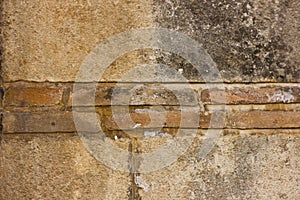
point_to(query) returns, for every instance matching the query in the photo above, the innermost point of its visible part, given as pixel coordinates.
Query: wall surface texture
(251, 152)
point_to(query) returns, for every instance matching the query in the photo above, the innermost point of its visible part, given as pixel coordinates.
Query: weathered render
(255, 45)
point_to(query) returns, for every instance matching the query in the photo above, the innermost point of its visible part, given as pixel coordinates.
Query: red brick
(253, 95)
(144, 118)
(40, 122)
(33, 96)
(263, 119)
(135, 94)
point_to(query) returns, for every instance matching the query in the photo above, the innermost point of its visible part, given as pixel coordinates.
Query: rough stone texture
(238, 167)
(250, 40)
(56, 167)
(47, 40)
(257, 154)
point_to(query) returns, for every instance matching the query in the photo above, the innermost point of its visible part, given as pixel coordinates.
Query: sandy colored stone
(56, 167)
(47, 40)
(238, 167)
(252, 154)
(250, 41)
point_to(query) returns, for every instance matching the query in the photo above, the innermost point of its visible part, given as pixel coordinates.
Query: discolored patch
(251, 41)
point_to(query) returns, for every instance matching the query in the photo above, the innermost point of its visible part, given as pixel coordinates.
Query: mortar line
(186, 128)
(153, 82)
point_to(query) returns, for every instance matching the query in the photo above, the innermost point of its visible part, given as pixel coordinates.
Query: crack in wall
(134, 163)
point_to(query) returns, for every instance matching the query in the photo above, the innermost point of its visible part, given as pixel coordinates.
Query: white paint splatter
(156, 134)
(137, 125)
(144, 110)
(281, 96)
(152, 57)
(180, 70)
(142, 184)
(149, 133)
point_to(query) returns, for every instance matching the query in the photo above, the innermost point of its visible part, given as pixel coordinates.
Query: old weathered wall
(255, 46)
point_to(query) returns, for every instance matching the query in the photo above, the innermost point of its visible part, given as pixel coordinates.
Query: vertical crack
(134, 163)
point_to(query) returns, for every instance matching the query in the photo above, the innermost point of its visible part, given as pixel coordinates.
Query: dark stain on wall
(245, 39)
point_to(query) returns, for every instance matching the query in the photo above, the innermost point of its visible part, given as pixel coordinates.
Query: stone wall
(255, 45)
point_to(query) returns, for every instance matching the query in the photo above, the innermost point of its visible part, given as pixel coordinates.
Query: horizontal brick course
(134, 94)
(50, 94)
(63, 121)
(263, 119)
(255, 95)
(33, 96)
(251, 130)
(38, 122)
